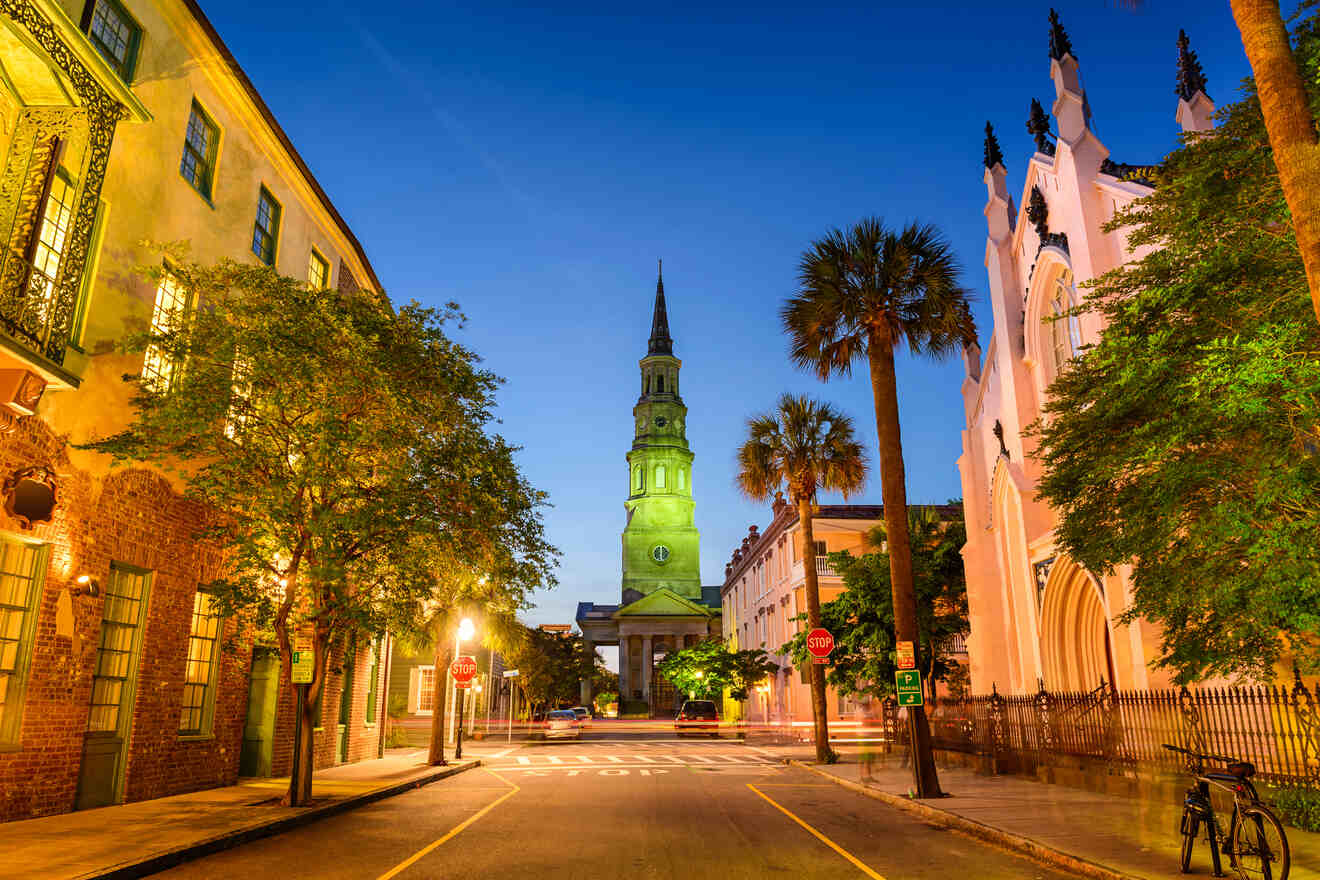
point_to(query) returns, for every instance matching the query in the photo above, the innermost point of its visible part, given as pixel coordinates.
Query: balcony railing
(823, 567)
(31, 307)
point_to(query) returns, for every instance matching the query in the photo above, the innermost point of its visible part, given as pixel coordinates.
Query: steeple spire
(1191, 78)
(1060, 45)
(993, 155)
(660, 342)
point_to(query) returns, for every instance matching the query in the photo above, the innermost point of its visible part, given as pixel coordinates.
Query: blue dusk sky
(532, 164)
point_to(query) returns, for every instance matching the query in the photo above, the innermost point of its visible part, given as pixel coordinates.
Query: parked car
(583, 715)
(699, 716)
(562, 724)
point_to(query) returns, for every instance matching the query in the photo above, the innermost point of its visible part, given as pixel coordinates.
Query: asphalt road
(616, 808)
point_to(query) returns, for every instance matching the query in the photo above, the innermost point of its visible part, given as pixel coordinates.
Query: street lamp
(465, 631)
(692, 694)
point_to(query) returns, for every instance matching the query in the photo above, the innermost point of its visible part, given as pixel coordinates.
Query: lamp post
(465, 631)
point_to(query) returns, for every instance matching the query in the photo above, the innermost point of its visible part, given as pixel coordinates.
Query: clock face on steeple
(661, 421)
(660, 553)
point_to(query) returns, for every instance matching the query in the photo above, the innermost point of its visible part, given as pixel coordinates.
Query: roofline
(236, 69)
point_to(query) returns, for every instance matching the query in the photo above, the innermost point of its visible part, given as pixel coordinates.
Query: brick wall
(130, 516)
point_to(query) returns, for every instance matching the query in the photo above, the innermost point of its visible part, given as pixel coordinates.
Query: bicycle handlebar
(1220, 758)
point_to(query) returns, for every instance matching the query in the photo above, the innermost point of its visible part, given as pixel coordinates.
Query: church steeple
(660, 342)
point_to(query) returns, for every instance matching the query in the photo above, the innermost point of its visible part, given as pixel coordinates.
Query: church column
(625, 670)
(646, 668)
(585, 684)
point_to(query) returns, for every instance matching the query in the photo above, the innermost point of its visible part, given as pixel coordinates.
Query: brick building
(117, 682)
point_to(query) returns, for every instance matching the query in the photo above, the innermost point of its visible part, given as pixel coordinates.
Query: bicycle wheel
(1257, 845)
(1190, 824)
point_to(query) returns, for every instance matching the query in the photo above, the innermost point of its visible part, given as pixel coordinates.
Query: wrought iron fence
(1275, 727)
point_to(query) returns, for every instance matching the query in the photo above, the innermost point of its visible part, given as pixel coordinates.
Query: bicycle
(1256, 846)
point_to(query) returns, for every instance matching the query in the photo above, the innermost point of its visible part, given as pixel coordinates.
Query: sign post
(819, 645)
(908, 685)
(463, 669)
(510, 674)
(907, 656)
(302, 666)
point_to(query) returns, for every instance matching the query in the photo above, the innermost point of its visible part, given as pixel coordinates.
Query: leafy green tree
(708, 669)
(862, 617)
(551, 666)
(1184, 443)
(807, 446)
(342, 445)
(864, 294)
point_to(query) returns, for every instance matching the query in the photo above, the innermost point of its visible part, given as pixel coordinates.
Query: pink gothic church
(1036, 615)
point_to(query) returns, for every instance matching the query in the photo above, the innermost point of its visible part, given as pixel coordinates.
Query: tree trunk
(437, 753)
(819, 710)
(893, 491)
(303, 781)
(1288, 122)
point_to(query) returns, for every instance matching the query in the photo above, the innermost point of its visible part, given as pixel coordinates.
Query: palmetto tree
(806, 446)
(863, 295)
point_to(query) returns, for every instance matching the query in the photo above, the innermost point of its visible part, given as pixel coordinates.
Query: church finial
(1060, 45)
(660, 343)
(1191, 78)
(1038, 126)
(993, 155)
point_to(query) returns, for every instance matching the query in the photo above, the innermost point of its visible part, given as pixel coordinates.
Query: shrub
(1298, 807)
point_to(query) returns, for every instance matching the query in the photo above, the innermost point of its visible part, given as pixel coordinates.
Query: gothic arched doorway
(1074, 630)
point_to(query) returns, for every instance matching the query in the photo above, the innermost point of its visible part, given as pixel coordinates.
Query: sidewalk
(132, 840)
(1097, 835)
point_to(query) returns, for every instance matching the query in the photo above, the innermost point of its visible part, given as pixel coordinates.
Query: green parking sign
(908, 682)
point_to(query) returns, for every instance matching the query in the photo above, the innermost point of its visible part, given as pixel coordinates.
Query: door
(114, 683)
(259, 729)
(345, 707)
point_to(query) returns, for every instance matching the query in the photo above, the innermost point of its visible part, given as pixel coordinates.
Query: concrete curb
(163, 860)
(1033, 849)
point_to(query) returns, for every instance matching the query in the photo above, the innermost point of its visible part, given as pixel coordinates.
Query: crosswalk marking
(523, 759)
(555, 759)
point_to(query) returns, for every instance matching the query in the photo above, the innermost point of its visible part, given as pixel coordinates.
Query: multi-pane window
(166, 317)
(426, 689)
(266, 230)
(373, 686)
(240, 400)
(1065, 329)
(20, 576)
(199, 151)
(114, 34)
(125, 595)
(318, 271)
(199, 673)
(51, 242)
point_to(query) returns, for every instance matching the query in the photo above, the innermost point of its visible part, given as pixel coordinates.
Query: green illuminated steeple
(660, 541)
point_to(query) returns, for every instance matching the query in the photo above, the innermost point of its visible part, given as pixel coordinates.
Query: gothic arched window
(660, 384)
(1065, 331)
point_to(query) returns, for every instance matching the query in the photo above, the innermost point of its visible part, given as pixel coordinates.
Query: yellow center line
(456, 830)
(821, 837)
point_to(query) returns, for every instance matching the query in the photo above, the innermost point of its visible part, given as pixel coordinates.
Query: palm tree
(807, 446)
(864, 294)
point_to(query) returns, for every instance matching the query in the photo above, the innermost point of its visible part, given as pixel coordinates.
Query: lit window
(199, 151)
(21, 566)
(1064, 327)
(318, 271)
(199, 673)
(426, 689)
(266, 230)
(116, 659)
(51, 242)
(167, 317)
(114, 34)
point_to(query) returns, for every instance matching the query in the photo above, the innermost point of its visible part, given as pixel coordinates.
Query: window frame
(183, 311)
(313, 258)
(211, 160)
(1062, 325)
(11, 715)
(206, 727)
(128, 67)
(277, 217)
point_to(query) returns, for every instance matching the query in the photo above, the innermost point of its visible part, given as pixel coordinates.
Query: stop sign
(820, 642)
(463, 669)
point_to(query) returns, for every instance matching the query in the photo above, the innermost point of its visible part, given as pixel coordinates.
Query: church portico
(663, 605)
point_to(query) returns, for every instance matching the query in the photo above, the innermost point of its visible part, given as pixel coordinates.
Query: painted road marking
(547, 769)
(551, 760)
(860, 865)
(456, 830)
(555, 759)
(586, 759)
(523, 759)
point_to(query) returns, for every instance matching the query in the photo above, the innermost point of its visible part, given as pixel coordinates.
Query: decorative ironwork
(1060, 45)
(1055, 239)
(993, 155)
(999, 435)
(96, 117)
(1038, 126)
(1193, 737)
(1191, 78)
(1143, 174)
(31, 495)
(1308, 726)
(1042, 572)
(1038, 213)
(1044, 717)
(998, 732)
